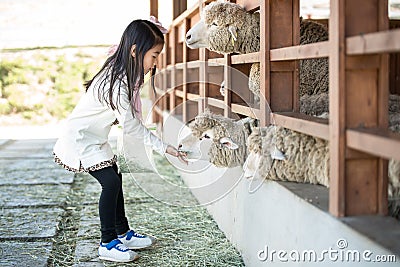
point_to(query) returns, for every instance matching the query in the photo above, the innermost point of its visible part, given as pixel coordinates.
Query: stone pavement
(33, 193)
(49, 216)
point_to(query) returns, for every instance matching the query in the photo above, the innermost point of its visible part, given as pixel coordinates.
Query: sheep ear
(232, 30)
(277, 154)
(227, 142)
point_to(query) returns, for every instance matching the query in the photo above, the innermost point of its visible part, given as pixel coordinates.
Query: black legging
(111, 204)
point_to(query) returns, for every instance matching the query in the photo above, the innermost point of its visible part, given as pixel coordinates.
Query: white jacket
(85, 138)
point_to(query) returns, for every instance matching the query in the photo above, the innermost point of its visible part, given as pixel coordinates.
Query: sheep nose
(188, 37)
(180, 146)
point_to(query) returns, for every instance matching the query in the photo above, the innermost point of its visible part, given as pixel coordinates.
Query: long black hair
(145, 35)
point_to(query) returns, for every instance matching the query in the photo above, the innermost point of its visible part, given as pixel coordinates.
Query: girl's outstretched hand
(174, 152)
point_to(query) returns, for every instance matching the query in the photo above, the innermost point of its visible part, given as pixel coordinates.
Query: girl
(113, 96)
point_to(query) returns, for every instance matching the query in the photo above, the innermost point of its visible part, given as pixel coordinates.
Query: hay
(186, 236)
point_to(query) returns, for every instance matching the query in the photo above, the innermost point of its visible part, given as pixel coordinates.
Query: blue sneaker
(136, 241)
(116, 251)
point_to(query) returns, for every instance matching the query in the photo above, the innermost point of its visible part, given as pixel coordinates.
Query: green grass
(38, 85)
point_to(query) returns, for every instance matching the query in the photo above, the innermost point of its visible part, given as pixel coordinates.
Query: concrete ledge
(262, 217)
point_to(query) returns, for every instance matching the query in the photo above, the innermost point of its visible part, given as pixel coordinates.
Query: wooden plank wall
(361, 76)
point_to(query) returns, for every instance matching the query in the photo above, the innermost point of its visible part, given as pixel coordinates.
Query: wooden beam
(284, 85)
(302, 123)
(193, 97)
(203, 73)
(247, 111)
(188, 13)
(265, 69)
(179, 93)
(372, 43)
(158, 110)
(358, 98)
(203, 86)
(246, 58)
(215, 102)
(377, 142)
(228, 85)
(314, 50)
(216, 61)
(154, 8)
(179, 6)
(186, 116)
(383, 107)
(173, 56)
(296, 63)
(337, 145)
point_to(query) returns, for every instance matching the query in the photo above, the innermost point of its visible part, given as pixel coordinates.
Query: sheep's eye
(206, 136)
(214, 24)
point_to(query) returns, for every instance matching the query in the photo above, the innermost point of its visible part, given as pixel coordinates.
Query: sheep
(259, 143)
(306, 157)
(307, 161)
(272, 152)
(228, 137)
(394, 188)
(228, 28)
(394, 166)
(318, 105)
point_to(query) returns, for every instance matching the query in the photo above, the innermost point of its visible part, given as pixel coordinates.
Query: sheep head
(226, 139)
(254, 146)
(195, 148)
(225, 28)
(262, 150)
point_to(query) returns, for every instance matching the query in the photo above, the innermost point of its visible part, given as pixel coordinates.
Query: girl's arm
(135, 128)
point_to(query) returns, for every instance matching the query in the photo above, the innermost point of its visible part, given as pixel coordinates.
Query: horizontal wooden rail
(158, 110)
(215, 102)
(191, 96)
(371, 43)
(179, 93)
(170, 67)
(180, 66)
(193, 64)
(219, 61)
(302, 123)
(247, 111)
(189, 65)
(246, 58)
(383, 143)
(314, 50)
(159, 91)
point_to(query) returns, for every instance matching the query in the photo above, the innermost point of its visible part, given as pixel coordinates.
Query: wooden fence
(360, 41)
